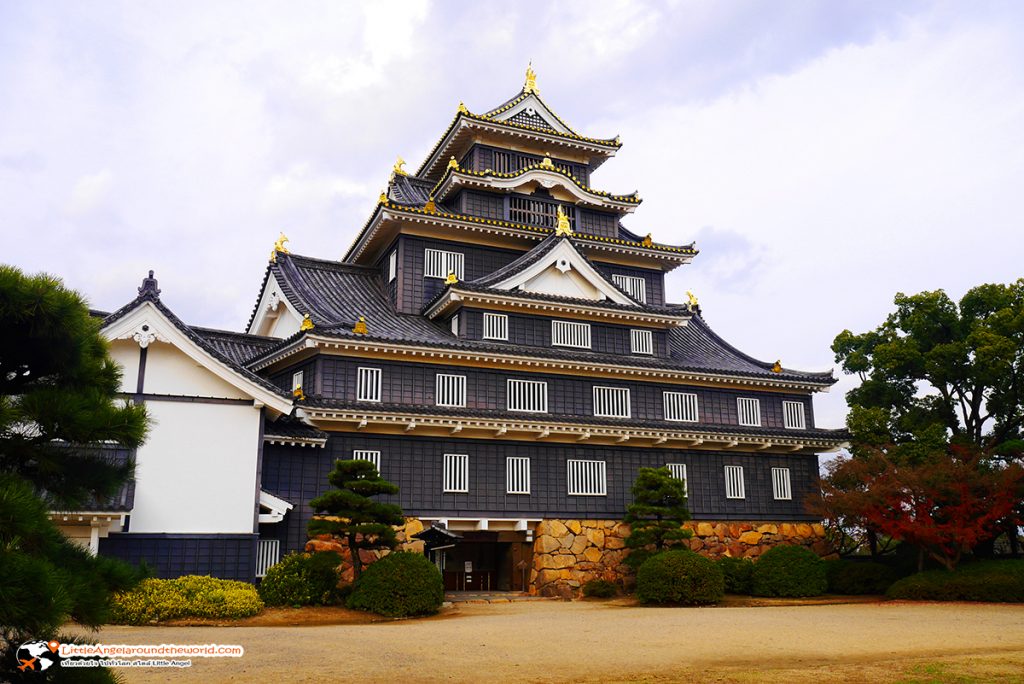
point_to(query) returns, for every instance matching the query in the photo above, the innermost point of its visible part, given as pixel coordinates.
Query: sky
(822, 155)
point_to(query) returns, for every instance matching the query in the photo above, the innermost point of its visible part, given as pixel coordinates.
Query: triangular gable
(563, 272)
(530, 110)
(147, 323)
(275, 315)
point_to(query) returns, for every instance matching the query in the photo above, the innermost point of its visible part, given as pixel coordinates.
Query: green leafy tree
(349, 511)
(58, 395)
(656, 515)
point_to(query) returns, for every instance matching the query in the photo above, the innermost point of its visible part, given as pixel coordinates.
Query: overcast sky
(824, 156)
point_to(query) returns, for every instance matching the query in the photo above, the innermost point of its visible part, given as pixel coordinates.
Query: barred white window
(634, 286)
(368, 384)
(567, 334)
(749, 411)
(793, 415)
(517, 475)
(678, 471)
(587, 478)
(451, 390)
(641, 341)
(495, 326)
(438, 263)
(681, 406)
(528, 395)
(455, 325)
(296, 380)
(611, 402)
(734, 482)
(456, 473)
(780, 483)
(392, 265)
(367, 455)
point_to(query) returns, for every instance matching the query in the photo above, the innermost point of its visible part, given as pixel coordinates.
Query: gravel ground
(549, 641)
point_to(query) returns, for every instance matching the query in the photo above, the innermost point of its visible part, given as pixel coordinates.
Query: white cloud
(90, 191)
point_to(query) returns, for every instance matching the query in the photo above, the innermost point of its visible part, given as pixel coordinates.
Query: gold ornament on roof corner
(453, 164)
(383, 199)
(647, 241)
(462, 108)
(530, 86)
(546, 163)
(777, 366)
(564, 227)
(398, 170)
(299, 394)
(693, 299)
(452, 279)
(430, 206)
(307, 323)
(278, 247)
(360, 327)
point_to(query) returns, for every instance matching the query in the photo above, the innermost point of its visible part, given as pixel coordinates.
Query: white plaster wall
(569, 284)
(197, 470)
(285, 325)
(126, 354)
(170, 371)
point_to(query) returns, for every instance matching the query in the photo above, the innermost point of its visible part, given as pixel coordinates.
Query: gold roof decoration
(530, 86)
(462, 108)
(430, 206)
(398, 170)
(452, 279)
(360, 327)
(278, 247)
(777, 366)
(692, 299)
(546, 163)
(307, 323)
(383, 199)
(299, 394)
(453, 163)
(647, 241)
(564, 228)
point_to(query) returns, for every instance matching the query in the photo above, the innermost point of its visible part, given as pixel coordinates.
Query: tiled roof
(239, 347)
(287, 427)
(410, 190)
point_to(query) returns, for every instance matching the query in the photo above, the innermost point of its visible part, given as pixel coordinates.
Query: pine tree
(349, 511)
(58, 398)
(656, 515)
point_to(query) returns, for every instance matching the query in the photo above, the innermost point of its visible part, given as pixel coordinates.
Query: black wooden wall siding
(228, 556)
(415, 464)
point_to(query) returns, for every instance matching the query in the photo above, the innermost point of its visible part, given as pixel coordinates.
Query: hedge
(400, 584)
(303, 579)
(739, 574)
(789, 571)
(995, 581)
(600, 588)
(680, 577)
(858, 577)
(196, 596)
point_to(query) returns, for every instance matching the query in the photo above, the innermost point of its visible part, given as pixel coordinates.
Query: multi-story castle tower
(502, 348)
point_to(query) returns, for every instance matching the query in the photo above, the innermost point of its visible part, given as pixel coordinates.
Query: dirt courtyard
(551, 641)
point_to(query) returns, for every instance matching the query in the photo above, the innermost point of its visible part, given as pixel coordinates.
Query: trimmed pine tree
(656, 515)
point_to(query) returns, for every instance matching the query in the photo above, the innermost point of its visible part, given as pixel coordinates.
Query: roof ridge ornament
(452, 279)
(564, 227)
(453, 163)
(462, 108)
(546, 163)
(279, 247)
(397, 170)
(307, 323)
(530, 86)
(360, 327)
(430, 205)
(777, 366)
(383, 199)
(694, 304)
(149, 287)
(647, 241)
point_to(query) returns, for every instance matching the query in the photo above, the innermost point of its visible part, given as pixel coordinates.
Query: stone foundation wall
(569, 553)
(327, 542)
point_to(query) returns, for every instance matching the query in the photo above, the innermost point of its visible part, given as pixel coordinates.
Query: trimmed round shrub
(995, 581)
(600, 588)
(855, 577)
(400, 584)
(789, 571)
(739, 574)
(680, 577)
(191, 596)
(303, 579)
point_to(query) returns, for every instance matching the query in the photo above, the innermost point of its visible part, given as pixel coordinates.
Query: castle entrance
(488, 561)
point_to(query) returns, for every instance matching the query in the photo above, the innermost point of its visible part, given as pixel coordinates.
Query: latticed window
(495, 326)
(570, 334)
(611, 402)
(681, 406)
(392, 265)
(517, 475)
(678, 471)
(296, 380)
(438, 263)
(734, 482)
(537, 212)
(641, 341)
(368, 384)
(793, 415)
(367, 455)
(451, 390)
(749, 411)
(456, 473)
(454, 323)
(634, 286)
(587, 478)
(780, 484)
(528, 395)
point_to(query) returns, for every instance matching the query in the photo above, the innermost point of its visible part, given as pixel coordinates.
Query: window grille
(641, 341)
(296, 380)
(538, 212)
(517, 475)
(749, 411)
(634, 286)
(681, 406)
(678, 471)
(268, 554)
(392, 265)
(438, 263)
(368, 384)
(587, 478)
(451, 390)
(780, 484)
(456, 473)
(455, 325)
(567, 334)
(495, 326)
(611, 402)
(793, 415)
(734, 482)
(528, 395)
(365, 455)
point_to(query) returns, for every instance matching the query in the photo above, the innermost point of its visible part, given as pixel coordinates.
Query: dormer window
(438, 263)
(392, 265)
(641, 341)
(634, 286)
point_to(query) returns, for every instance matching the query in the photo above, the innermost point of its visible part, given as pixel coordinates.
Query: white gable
(564, 272)
(275, 315)
(532, 105)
